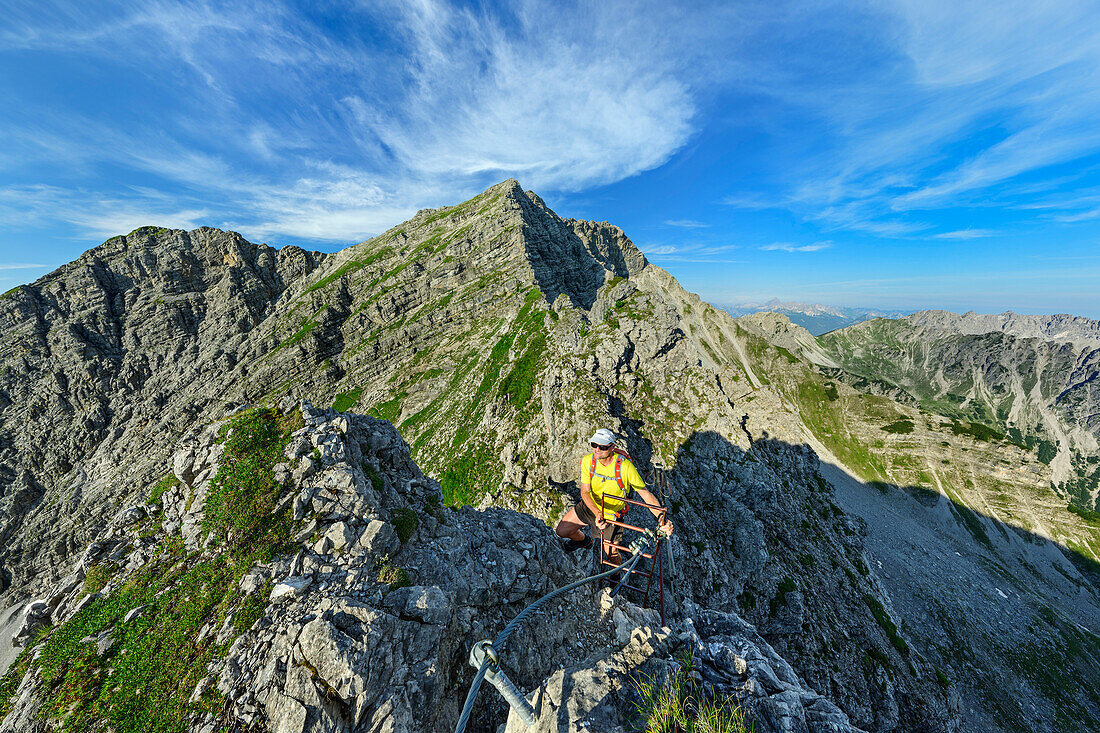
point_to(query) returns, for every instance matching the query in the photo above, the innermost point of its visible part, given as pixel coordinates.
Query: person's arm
(649, 498)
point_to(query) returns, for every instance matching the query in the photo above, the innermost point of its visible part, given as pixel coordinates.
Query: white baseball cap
(603, 436)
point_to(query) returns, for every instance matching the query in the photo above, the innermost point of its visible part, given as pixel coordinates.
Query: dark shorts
(613, 534)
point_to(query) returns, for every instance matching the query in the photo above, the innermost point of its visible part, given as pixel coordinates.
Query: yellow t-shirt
(606, 488)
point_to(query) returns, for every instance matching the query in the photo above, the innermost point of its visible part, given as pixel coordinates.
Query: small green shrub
(394, 576)
(162, 486)
(901, 427)
(877, 656)
(405, 522)
(98, 576)
(887, 624)
(376, 480)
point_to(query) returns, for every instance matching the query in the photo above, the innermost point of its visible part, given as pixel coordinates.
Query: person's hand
(601, 524)
(665, 527)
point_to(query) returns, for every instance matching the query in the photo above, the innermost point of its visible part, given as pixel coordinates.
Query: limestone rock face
(497, 336)
(726, 660)
(104, 362)
(1059, 327)
(354, 639)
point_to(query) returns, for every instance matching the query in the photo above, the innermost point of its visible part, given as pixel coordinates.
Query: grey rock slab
(429, 604)
(290, 588)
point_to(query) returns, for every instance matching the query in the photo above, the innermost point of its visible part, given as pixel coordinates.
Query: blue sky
(901, 155)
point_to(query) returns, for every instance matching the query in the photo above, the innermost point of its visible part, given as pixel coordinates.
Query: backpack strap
(618, 478)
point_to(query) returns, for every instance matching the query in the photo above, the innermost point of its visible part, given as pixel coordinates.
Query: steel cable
(502, 637)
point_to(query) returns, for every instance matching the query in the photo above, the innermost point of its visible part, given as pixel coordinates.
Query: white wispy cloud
(281, 125)
(453, 99)
(18, 266)
(660, 249)
(788, 247)
(967, 234)
(695, 252)
(951, 105)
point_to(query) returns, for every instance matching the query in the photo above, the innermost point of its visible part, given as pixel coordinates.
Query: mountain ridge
(496, 336)
(1078, 330)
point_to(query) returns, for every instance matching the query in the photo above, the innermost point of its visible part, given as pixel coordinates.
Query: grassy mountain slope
(969, 499)
(1039, 394)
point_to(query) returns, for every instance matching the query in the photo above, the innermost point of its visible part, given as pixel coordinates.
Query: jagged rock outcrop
(104, 361)
(366, 621)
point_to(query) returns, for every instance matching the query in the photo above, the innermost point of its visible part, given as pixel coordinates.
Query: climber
(607, 476)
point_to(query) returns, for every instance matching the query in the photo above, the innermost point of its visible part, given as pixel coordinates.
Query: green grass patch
(251, 608)
(144, 680)
(351, 266)
(887, 624)
(467, 478)
(1090, 516)
(148, 231)
(389, 410)
(682, 705)
(900, 427)
(243, 493)
(307, 327)
(346, 269)
(160, 487)
(791, 358)
(519, 385)
(98, 576)
(347, 400)
(376, 479)
(977, 431)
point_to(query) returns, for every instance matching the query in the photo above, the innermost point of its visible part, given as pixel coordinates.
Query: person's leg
(570, 526)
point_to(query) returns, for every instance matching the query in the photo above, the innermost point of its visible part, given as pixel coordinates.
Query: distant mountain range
(814, 317)
(1058, 327)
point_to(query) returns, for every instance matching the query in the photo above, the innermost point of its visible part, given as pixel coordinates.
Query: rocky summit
(190, 544)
